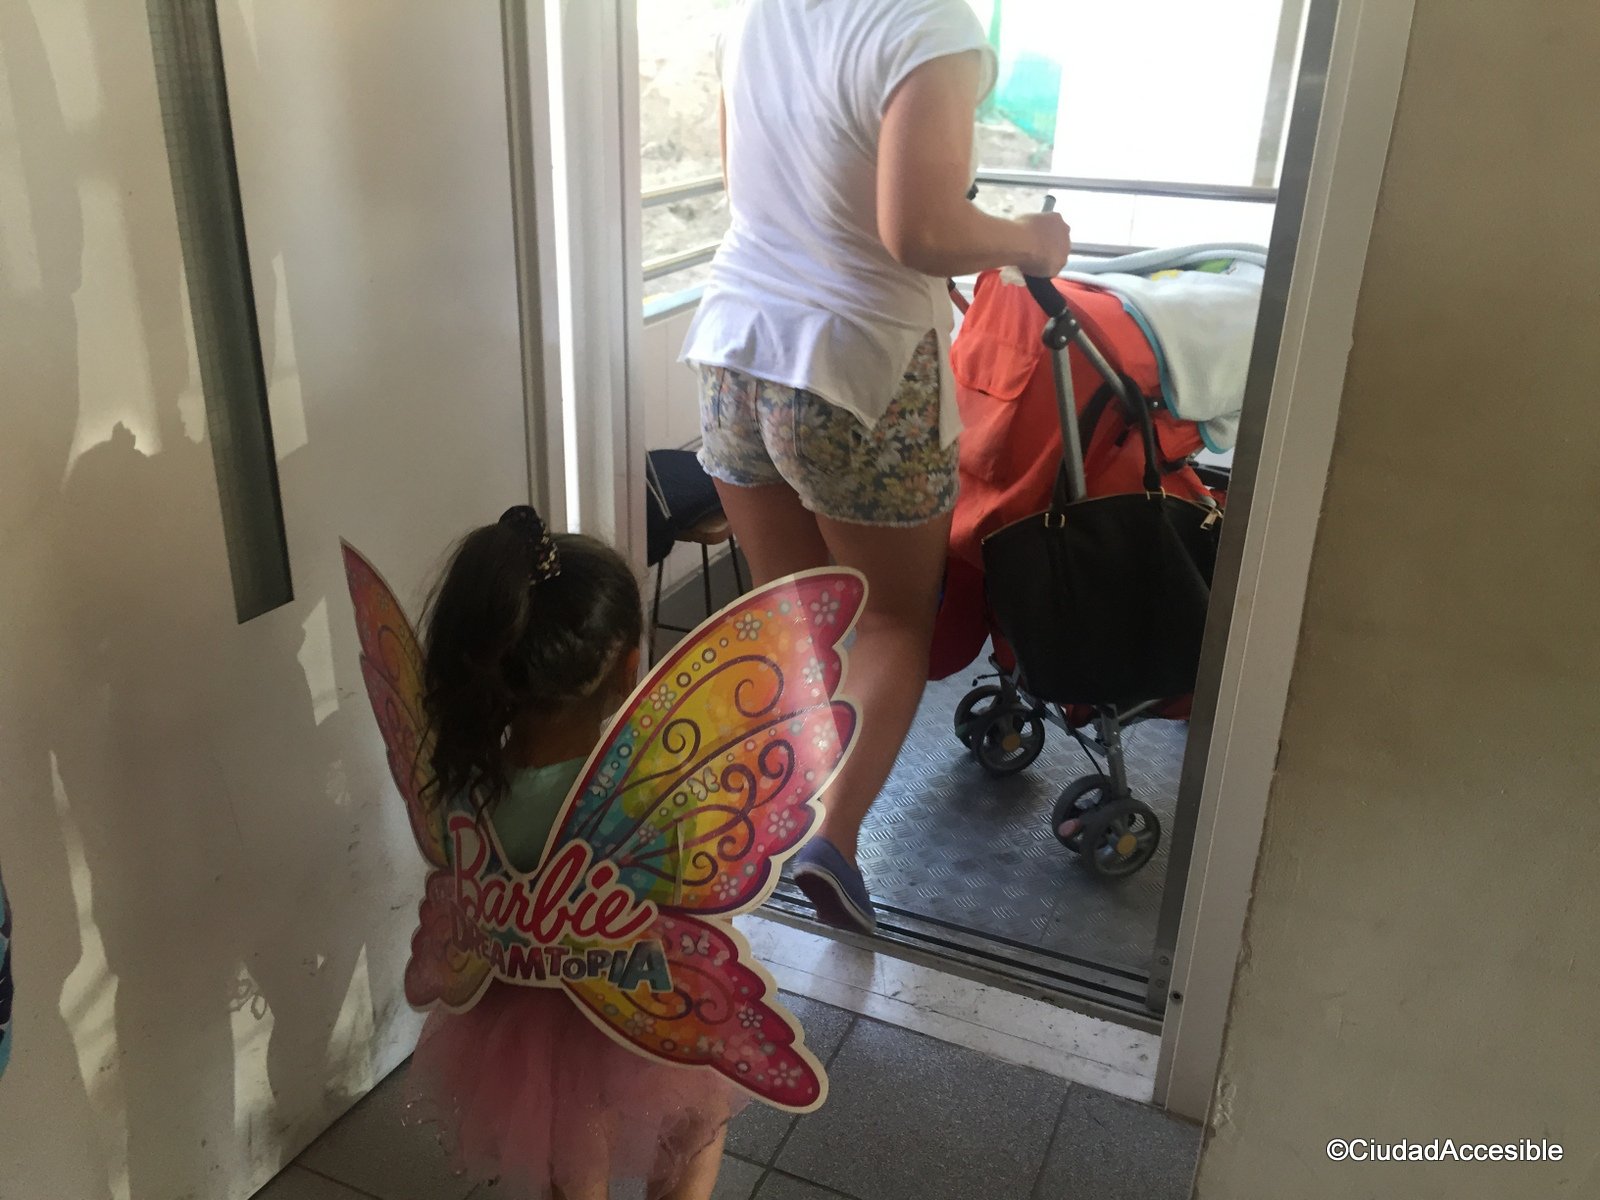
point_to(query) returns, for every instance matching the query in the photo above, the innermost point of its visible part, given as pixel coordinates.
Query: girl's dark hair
(501, 642)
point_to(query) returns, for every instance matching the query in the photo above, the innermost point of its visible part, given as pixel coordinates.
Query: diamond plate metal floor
(949, 842)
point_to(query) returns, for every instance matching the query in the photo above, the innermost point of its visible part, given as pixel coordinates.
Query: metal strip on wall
(193, 90)
(1286, 58)
(533, 227)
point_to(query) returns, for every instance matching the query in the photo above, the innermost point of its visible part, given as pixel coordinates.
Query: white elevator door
(213, 878)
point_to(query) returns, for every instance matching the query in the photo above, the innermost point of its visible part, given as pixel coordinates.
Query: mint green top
(524, 818)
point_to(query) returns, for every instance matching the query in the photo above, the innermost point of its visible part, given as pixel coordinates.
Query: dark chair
(682, 506)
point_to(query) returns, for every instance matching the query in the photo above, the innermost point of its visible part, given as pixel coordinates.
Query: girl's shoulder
(527, 813)
(542, 785)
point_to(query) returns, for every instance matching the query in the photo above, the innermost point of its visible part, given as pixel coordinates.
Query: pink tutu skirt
(526, 1090)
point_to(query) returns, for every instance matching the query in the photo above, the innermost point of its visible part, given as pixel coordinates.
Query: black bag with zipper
(1104, 600)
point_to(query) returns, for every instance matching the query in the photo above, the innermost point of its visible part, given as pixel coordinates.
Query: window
(1150, 91)
(1171, 113)
(685, 211)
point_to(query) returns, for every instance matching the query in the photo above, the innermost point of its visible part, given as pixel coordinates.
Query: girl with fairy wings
(596, 1016)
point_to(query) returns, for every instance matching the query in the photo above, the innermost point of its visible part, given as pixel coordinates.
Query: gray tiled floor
(760, 1131)
(372, 1151)
(1112, 1147)
(907, 1117)
(914, 1119)
(297, 1183)
(787, 1187)
(739, 1180)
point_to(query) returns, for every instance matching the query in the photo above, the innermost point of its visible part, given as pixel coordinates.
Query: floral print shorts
(896, 473)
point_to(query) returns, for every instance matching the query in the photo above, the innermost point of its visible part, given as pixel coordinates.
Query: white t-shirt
(803, 292)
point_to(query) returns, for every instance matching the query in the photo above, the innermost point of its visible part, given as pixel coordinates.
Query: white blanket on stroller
(1201, 325)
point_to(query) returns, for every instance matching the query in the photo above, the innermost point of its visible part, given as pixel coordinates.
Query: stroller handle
(1061, 330)
(1045, 293)
(1043, 290)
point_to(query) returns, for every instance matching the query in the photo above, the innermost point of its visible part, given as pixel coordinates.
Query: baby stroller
(1022, 445)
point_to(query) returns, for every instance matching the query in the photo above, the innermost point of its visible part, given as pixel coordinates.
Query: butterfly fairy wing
(391, 665)
(704, 784)
(708, 780)
(443, 969)
(451, 964)
(715, 1010)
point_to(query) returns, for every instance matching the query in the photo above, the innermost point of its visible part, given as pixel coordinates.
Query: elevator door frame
(1286, 440)
(1328, 197)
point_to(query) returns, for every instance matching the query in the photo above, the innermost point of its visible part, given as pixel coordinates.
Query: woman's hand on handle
(925, 219)
(1051, 239)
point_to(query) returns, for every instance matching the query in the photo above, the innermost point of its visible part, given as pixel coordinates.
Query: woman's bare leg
(699, 1176)
(889, 661)
(778, 534)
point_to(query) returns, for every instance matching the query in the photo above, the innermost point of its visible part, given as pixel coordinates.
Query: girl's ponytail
(522, 621)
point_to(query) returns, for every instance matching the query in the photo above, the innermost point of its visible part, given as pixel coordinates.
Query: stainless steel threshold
(1096, 990)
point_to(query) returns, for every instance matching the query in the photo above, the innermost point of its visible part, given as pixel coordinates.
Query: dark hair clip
(541, 546)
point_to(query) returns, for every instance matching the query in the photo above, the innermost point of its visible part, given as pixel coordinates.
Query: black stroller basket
(1103, 600)
(1103, 603)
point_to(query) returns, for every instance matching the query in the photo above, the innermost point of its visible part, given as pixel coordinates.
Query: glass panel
(1014, 201)
(1017, 121)
(684, 225)
(1150, 89)
(668, 289)
(678, 90)
(1109, 220)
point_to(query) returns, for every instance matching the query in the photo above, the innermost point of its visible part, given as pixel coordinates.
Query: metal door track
(1113, 993)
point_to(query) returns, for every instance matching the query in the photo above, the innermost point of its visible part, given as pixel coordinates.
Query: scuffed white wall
(669, 398)
(213, 880)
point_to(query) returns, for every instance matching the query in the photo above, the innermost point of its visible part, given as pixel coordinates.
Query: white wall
(213, 880)
(669, 397)
(1420, 955)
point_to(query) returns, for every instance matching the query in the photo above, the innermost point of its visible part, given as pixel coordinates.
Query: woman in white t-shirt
(827, 408)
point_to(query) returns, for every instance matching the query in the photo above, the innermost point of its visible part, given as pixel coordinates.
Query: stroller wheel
(1119, 838)
(1077, 800)
(976, 707)
(1008, 740)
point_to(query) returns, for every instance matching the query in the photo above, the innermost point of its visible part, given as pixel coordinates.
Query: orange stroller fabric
(1011, 446)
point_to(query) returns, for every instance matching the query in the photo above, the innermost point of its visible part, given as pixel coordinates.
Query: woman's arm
(925, 170)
